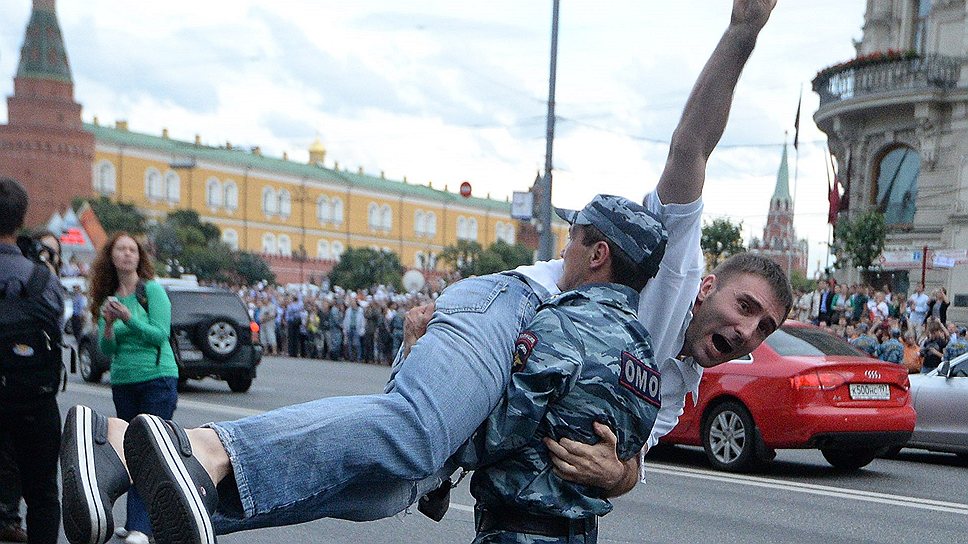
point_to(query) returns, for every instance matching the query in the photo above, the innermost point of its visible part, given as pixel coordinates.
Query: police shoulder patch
(523, 347)
(641, 379)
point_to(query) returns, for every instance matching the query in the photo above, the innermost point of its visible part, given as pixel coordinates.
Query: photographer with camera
(31, 367)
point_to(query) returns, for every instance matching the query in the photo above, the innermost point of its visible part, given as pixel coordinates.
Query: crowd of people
(895, 327)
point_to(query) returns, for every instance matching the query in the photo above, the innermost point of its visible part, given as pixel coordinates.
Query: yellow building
(276, 206)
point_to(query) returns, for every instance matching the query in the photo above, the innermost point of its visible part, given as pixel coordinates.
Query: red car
(802, 388)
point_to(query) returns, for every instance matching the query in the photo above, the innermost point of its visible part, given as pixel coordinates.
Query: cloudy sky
(447, 91)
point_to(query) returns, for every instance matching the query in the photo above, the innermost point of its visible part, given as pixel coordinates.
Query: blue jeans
(368, 457)
(157, 397)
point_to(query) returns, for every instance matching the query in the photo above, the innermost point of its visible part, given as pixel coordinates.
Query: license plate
(870, 391)
(191, 356)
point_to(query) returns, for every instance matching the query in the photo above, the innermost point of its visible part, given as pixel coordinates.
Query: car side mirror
(945, 369)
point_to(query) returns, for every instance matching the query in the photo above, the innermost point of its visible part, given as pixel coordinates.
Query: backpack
(31, 359)
(141, 293)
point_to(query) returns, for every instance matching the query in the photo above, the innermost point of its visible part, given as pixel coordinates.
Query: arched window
(472, 229)
(231, 238)
(285, 203)
(269, 201)
(337, 214)
(213, 193)
(922, 8)
(322, 249)
(373, 216)
(386, 217)
(896, 192)
(153, 187)
(231, 195)
(105, 178)
(461, 227)
(285, 245)
(432, 262)
(337, 251)
(419, 227)
(172, 187)
(431, 224)
(419, 260)
(269, 243)
(324, 214)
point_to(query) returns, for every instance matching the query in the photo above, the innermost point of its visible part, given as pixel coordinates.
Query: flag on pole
(796, 126)
(833, 199)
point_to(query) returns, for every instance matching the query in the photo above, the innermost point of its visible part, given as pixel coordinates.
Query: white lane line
(812, 489)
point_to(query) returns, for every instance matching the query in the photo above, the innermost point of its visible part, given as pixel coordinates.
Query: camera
(36, 251)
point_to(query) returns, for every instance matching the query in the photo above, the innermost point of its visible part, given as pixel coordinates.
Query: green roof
(43, 55)
(782, 191)
(241, 158)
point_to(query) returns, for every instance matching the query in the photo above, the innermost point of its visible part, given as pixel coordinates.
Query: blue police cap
(629, 225)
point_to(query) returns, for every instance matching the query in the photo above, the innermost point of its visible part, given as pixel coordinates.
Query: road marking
(223, 409)
(812, 489)
(659, 468)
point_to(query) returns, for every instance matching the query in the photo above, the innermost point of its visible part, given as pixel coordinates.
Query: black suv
(214, 334)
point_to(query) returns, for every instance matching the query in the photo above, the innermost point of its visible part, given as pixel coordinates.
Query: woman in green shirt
(134, 322)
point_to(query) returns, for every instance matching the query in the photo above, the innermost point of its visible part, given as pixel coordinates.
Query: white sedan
(941, 402)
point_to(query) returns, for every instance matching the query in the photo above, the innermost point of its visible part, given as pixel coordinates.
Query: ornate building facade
(897, 122)
(780, 241)
(300, 215)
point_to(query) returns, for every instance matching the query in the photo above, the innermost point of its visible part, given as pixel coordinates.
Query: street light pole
(546, 243)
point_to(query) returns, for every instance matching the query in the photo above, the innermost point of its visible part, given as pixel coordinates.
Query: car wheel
(891, 453)
(849, 459)
(85, 364)
(728, 437)
(239, 384)
(219, 339)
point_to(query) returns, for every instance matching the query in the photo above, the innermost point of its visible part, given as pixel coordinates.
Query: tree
(251, 268)
(860, 242)
(118, 216)
(800, 282)
(469, 259)
(186, 244)
(361, 267)
(721, 239)
(462, 256)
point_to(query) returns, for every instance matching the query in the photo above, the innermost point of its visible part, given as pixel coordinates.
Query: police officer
(865, 342)
(585, 357)
(29, 417)
(892, 350)
(958, 345)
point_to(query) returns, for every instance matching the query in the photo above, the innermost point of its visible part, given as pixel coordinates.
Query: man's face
(576, 256)
(730, 318)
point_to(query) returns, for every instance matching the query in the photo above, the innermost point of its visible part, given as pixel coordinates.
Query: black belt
(522, 522)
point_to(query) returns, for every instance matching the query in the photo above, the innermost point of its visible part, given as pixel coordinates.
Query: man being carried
(368, 457)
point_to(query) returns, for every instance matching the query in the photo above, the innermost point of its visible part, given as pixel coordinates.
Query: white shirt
(665, 305)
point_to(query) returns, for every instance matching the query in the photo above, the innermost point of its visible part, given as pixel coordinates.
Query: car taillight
(818, 380)
(254, 327)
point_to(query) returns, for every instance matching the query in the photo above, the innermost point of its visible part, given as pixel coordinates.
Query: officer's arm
(550, 364)
(707, 109)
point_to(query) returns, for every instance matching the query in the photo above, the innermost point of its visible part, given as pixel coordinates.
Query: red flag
(833, 198)
(796, 126)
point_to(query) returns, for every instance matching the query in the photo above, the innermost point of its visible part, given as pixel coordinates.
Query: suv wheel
(219, 339)
(728, 437)
(85, 363)
(239, 384)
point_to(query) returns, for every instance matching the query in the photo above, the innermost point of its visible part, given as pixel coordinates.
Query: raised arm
(707, 109)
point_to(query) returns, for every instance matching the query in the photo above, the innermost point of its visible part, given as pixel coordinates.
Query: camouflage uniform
(585, 357)
(892, 351)
(957, 346)
(867, 343)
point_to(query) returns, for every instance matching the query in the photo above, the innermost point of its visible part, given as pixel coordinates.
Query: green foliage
(721, 239)
(183, 244)
(800, 282)
(251, 268)
(118, 216)
(469, 259)
(860, 242)
(361, 267)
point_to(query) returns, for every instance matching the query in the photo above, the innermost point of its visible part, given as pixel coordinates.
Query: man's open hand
(415, 325)
(594, 465)
(754, 13)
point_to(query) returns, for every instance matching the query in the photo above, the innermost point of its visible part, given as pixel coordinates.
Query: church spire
(43, 55)
(782, 192)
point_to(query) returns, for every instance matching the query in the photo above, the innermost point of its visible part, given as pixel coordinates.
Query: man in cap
(585, 357)
(368, 457)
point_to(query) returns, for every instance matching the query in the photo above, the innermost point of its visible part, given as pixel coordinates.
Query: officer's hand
(415, 325)
(594, 465)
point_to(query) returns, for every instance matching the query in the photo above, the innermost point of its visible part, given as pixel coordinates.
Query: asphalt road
(917, 497)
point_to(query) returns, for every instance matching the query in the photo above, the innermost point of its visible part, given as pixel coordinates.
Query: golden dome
(317, 152)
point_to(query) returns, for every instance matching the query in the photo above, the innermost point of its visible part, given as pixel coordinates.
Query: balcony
(886, 77)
